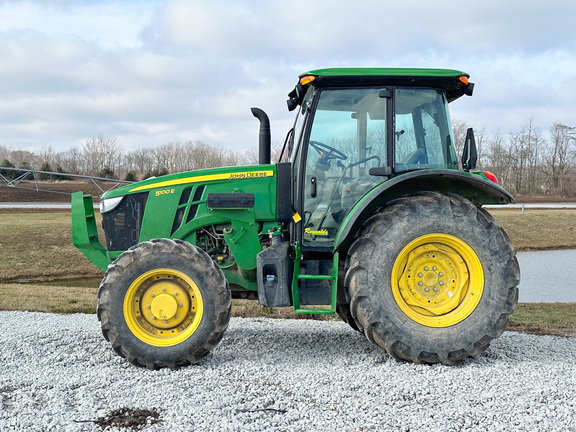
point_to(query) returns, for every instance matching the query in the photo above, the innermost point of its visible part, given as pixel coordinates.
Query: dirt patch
(49, 191)
(538, 229)
(541, 199)
(127, 418)
(28, 211)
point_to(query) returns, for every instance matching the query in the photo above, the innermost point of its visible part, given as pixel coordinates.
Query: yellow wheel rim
(163, 307)
(437, 280)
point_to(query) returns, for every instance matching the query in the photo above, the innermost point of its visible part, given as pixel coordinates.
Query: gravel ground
(280, 375)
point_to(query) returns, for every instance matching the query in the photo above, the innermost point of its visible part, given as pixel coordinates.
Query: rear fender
(467, 185)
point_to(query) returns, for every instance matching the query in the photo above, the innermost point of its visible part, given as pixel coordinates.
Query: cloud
(110, 24)
(152, 72)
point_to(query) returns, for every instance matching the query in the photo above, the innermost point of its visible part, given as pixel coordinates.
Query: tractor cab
(356, 129)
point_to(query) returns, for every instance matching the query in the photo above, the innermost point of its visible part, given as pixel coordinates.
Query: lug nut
(440, 274)
(148, 307)
(177, 316)
(420, 283)
(180, 304)
(426, 289)
(153, 317)
(441, 282)
(163, 289)
(165, 322)
(426, 268)
(419, 274)
(434, 268)
(175, 293)
(152, 295)
(435, 289)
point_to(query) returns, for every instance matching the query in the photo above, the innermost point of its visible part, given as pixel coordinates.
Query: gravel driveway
(280, 375)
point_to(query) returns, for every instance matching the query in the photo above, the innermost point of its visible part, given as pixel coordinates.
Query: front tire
(164, 303)
(432, 279)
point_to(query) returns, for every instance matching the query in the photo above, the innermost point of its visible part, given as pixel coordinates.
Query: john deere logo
(322, 232)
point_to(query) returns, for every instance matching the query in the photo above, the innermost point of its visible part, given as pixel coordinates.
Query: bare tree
(72, 160)
(459, 129)
(200, 155)
(481, 146)
(142, 160)
(526, 147)
(498, 158)
(559, 156)
(164, 157)
(23, 159)
(535, 143)
(252, 157)
(4, 153)
(46, 155)
(99, 152)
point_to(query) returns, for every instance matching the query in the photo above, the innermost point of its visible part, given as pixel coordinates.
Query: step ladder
(332, 277)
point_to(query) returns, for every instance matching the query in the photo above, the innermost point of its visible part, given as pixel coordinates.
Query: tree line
(528, 161)
(102, 156)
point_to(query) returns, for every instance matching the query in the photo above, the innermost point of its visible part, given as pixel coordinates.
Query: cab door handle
(313, 190)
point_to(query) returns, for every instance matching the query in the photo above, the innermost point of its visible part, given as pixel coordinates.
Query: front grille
(122, 225)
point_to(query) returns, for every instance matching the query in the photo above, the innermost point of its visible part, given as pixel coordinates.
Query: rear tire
(343, 302)
(164, 303)
(432, 279)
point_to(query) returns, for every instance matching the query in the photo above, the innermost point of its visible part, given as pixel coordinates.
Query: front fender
(467, 185)
(84, 232)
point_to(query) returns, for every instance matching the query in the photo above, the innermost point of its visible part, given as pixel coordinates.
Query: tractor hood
(205, 175)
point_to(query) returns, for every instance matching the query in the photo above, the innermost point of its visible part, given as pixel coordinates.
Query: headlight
(109, 204)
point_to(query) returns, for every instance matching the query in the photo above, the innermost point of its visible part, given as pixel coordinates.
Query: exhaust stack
(264, 141)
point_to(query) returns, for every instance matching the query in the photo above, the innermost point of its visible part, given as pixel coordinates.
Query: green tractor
(367, 215)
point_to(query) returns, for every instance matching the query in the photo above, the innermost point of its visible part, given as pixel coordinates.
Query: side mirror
(469, 154)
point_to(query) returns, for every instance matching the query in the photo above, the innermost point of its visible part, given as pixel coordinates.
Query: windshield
(423, 136)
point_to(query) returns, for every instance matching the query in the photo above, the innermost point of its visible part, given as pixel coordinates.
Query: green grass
(39, 246)
(53, 299)
(545, 318)
(539, 229)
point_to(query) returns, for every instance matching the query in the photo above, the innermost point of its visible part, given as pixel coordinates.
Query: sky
(152, 72)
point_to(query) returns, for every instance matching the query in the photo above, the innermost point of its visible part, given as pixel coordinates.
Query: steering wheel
(326, 152)
(413, 158)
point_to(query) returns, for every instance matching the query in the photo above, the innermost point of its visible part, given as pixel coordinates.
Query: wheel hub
(162, 307)
(430, 279)
(164, 304)
(437, 280)
(433, 274)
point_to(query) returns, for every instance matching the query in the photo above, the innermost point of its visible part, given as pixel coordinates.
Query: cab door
(346, 137)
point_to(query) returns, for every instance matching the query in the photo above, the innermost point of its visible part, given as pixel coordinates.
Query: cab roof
(454, 82)
(386, 72)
